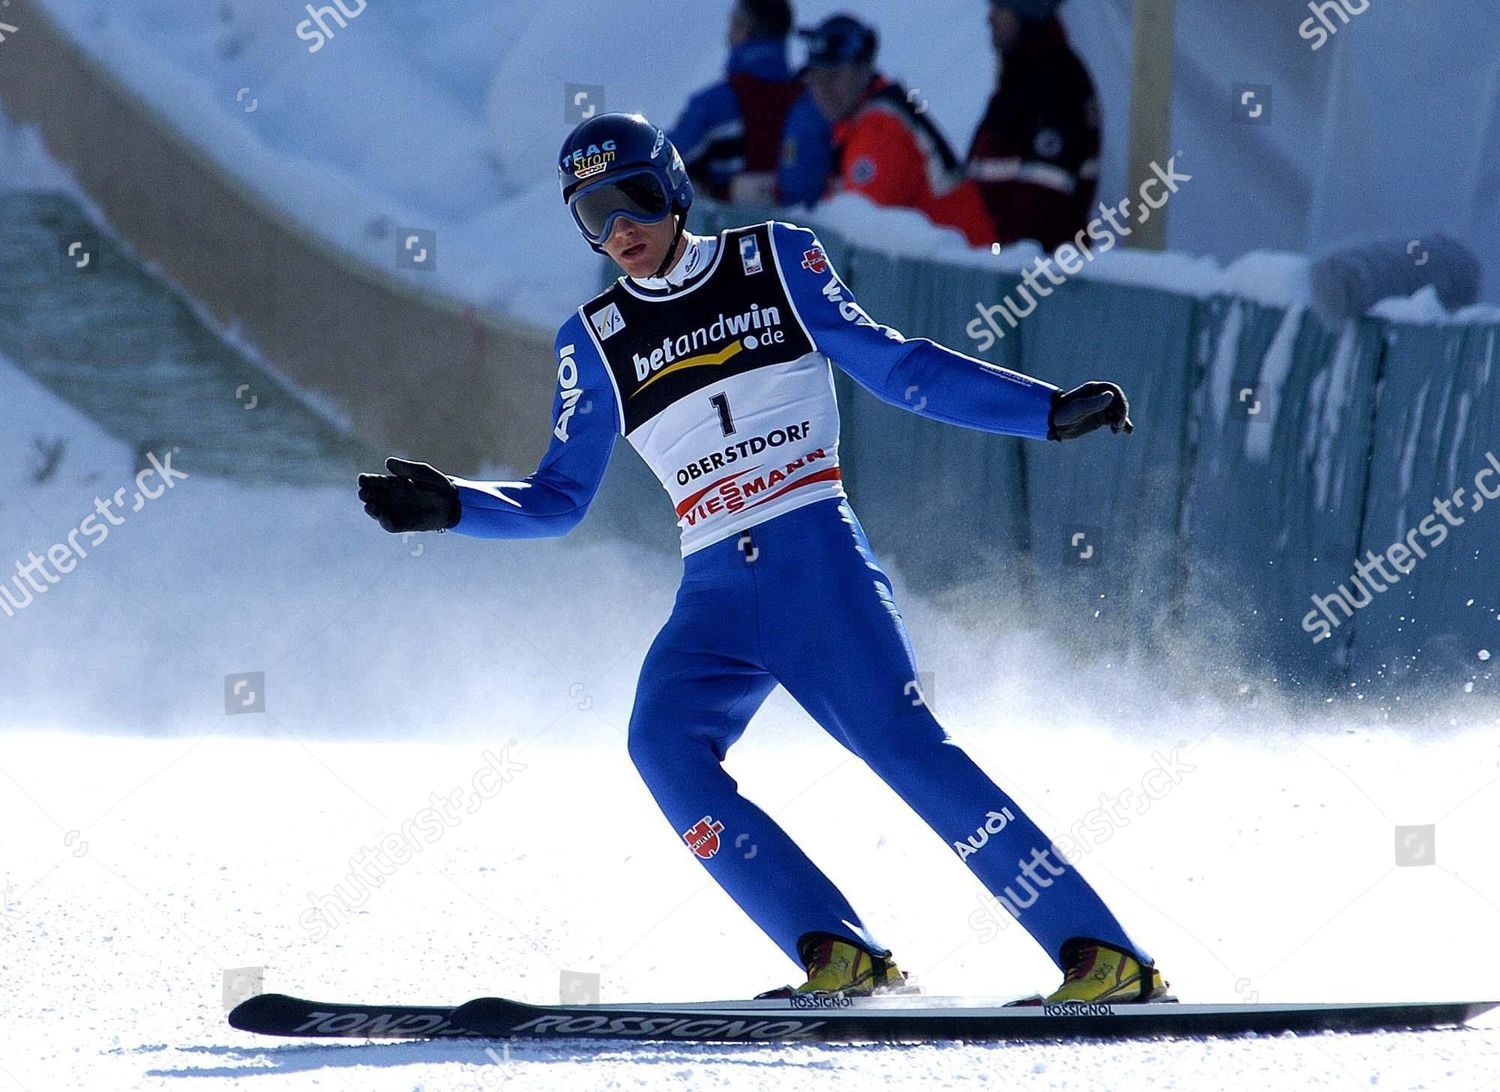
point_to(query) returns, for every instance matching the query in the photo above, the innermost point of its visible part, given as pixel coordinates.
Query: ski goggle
(635, 195)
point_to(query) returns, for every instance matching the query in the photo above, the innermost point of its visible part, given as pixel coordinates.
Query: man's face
(1005, 27)
(639, 249)
(837, 89)
(739, 27)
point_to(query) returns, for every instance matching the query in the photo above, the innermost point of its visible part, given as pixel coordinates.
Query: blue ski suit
(719, 375)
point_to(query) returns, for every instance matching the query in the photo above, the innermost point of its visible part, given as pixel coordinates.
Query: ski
(834, 1019)
(279, 1014)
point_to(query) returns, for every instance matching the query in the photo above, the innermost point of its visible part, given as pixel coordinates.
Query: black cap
(1031, 11)
(771, 17)
(839, 39)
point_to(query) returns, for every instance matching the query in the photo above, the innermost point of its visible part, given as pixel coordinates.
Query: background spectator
(884, 147)
(806, 154)
(1035, 155)
(732, 134)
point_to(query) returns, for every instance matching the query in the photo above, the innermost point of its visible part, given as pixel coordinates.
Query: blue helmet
(615, 165)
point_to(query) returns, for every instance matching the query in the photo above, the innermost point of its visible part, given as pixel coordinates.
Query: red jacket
(1035, 155)
(894, 155)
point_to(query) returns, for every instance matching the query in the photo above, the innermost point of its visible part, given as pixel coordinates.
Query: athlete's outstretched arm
(925, 377)
(549, 502)
(553, 500)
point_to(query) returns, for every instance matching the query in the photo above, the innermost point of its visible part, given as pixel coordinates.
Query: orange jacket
(894, 155)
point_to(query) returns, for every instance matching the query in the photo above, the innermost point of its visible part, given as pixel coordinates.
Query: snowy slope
(197, 854)
(149, 841)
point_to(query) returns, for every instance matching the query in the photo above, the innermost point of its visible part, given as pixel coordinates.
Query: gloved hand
(1085, 408)
(412, 497)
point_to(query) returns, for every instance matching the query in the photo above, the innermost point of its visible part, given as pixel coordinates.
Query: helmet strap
(666, 263)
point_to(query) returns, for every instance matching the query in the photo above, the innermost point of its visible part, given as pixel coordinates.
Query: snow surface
(149, 842)
(449, 120)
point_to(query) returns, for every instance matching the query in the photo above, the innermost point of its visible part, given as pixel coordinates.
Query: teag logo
(587, 162)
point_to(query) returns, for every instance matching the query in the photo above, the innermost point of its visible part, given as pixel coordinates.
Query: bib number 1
(720, 402)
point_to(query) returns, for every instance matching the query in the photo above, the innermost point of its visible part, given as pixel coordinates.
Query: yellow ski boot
(1096, 972)
(836, 965)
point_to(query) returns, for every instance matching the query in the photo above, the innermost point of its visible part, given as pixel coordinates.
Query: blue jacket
(711, 133)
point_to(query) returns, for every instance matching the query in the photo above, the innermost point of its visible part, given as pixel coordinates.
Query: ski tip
(245, 1015)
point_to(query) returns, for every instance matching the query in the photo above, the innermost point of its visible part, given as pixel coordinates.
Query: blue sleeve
(552, 501)
(806, 154)
(913, 373)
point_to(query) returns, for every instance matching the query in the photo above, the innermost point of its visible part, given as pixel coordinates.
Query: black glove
(1085, 408)
(412, 497)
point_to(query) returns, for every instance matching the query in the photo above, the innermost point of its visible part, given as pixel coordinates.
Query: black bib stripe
(738, 319)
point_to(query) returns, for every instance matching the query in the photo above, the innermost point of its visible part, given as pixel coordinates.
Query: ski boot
(836, 965)
(1097, 973)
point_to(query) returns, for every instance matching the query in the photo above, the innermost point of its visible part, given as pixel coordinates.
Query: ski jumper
(719, 375)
